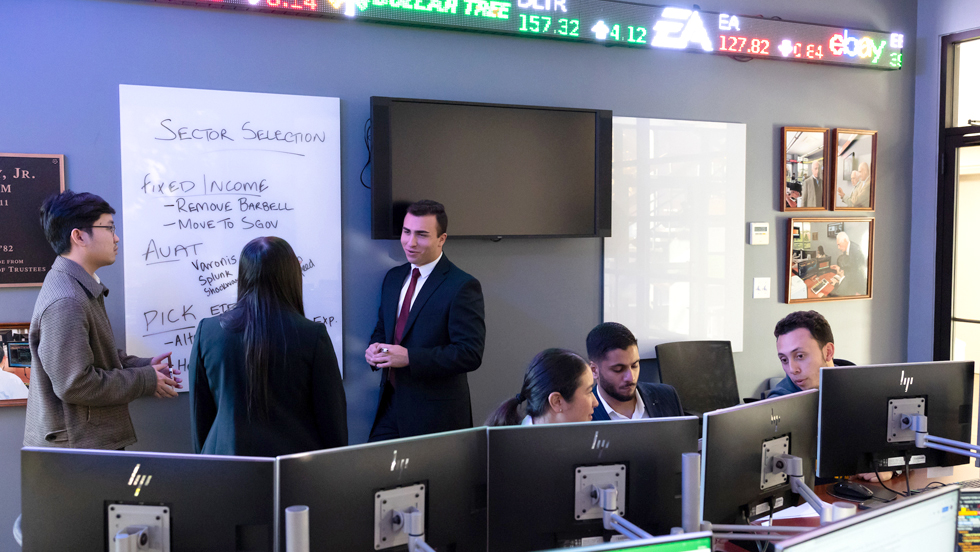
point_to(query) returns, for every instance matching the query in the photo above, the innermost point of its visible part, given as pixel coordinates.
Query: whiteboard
(673, 268)
(204, 172)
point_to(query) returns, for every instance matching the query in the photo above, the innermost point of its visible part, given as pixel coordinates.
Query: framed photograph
(804, 171)
(830, 259)
(15, 364)
(854, 169)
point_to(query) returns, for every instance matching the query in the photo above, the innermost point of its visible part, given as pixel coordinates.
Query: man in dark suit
(430, 333)
(853, 266)
(615, 361)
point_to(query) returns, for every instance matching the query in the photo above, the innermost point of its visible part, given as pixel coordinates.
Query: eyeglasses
(112, 228)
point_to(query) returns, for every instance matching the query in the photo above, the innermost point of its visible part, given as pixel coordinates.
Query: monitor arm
(412, 524)
(792, 466)
(919, 424)
(611, 520)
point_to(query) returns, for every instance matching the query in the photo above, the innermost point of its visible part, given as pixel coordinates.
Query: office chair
(649, 370)
(702, 372)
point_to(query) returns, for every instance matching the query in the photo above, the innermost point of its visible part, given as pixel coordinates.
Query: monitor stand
(920, 424)
(792, 466)
(611, 520)
(413, 524)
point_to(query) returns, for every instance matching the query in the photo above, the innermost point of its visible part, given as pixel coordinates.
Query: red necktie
(406, 307)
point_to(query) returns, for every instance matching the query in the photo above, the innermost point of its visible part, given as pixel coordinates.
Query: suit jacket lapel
(435, 279)
(649, 403)
(599, 413)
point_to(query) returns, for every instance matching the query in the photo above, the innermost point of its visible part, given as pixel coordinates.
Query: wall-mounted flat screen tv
(500, 170)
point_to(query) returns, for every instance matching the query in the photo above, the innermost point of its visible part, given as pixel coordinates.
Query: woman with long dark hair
(557, 388)
(264, 380)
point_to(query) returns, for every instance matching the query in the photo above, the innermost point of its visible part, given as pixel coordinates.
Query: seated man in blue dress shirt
(615, 361)
(805, 343)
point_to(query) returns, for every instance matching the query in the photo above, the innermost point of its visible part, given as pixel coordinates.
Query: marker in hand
(170, 367)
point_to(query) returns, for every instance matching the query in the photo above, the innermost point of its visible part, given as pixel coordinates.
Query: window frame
(950, 139)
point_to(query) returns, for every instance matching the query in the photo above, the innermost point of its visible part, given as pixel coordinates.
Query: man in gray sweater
(81, 385)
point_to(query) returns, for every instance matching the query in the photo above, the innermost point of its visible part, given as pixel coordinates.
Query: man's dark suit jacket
(444, 336)
(855, 267)
(307, 404)
(659, 400)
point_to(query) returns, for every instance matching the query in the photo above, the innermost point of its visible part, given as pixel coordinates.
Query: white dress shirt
(639, 411)
(424, 272)
(527, 420)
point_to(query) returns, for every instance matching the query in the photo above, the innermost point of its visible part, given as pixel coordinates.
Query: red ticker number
(757, 46)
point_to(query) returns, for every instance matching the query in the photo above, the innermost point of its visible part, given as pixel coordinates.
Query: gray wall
(936, 18)
(64, 59)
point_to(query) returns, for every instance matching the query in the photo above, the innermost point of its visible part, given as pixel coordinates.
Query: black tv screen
(500, 170)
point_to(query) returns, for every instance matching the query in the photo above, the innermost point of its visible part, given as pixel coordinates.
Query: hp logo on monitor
(906, 381)
(139, 481)
(774, 419)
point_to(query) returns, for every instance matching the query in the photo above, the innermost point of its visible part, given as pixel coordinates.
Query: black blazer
(855, 267)
(307, 404)
(444, 335)
(659, 400)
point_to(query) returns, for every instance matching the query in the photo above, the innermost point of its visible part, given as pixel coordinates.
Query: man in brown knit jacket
(81, 385)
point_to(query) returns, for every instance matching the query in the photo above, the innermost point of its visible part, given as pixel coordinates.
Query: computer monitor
(862, 407)
(736, 448)
(345, 488)
(71, 498)
(968, 519)
(805, 267)
(540, 476)
(687, 542)
(924, 522)
(18, 354)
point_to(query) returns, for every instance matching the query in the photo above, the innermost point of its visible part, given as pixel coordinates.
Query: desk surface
(920, 479)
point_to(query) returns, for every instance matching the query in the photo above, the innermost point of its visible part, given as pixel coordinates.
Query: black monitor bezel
(849, 444)
(758, 418)
(383, 225)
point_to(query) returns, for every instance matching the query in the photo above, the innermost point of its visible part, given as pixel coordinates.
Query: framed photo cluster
(828, 170)
(829, 259)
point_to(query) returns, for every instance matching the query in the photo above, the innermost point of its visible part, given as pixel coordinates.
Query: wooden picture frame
(855, 164)
(802, 184)
(15, 363)
(829, 259)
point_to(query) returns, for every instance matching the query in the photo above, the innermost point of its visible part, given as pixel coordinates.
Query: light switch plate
(760, 288)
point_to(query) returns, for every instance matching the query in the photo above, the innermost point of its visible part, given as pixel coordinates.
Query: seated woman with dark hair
(557, 389)
(264, 380)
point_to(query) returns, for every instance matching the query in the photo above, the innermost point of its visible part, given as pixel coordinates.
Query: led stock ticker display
(617, 23)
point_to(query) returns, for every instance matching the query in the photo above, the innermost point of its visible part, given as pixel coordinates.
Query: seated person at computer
(615, 361)
(11, 386)
(557, 388)
(804, 344)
